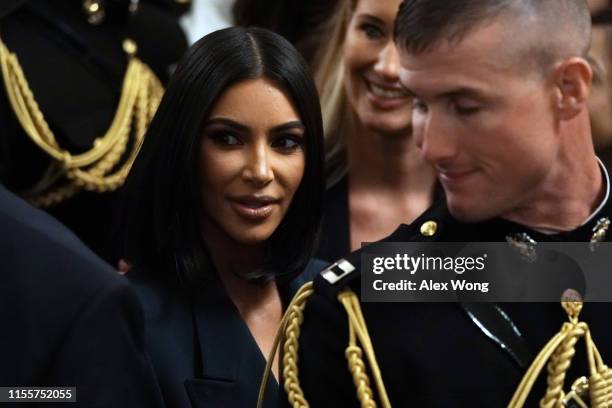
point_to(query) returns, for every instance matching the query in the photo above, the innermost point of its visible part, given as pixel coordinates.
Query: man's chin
(468, 213)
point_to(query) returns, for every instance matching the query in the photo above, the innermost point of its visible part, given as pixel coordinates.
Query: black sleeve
(103, 353)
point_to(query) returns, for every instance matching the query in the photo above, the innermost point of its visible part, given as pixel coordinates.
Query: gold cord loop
(359, 344)
(98, 169)
(359, 331)
(559, 352)
(290, 330)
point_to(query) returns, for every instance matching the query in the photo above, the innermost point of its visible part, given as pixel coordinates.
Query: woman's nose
(387, 65)
(258, 169)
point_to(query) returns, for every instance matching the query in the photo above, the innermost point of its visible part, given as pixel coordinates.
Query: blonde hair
(329, 74)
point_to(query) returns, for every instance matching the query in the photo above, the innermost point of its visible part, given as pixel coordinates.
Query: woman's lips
(253, 209)
(384, 97)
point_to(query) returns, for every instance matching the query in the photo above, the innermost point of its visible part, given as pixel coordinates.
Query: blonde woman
(376, 178)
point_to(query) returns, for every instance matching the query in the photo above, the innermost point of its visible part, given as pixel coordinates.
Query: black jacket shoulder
(73, 320)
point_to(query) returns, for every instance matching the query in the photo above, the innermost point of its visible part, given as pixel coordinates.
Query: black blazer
(203, 352)
(67, 318)
(335, 241)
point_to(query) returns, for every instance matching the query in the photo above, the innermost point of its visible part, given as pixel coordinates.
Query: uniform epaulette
(336, 283)
(341, 274)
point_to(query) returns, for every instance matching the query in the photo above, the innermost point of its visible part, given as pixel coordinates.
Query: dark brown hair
(559, 28)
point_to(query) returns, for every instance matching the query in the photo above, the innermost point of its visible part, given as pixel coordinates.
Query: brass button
(429, 228)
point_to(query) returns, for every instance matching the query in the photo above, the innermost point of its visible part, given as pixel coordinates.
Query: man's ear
(572, 79)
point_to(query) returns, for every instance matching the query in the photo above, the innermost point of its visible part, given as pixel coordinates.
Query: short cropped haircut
(163, 206)
(556, 28)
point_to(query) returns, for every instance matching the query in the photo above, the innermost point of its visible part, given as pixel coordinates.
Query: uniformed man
(500, 91)
(71, 112)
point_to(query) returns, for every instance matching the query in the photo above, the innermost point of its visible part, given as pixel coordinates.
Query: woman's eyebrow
(371, 17)
(296, 124)
(227, 122)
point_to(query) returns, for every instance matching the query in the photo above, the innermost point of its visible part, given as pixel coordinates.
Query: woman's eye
(225, 139)
(372, 31)
(287, 143)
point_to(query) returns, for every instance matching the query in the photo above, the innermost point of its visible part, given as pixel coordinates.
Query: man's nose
(436, 140)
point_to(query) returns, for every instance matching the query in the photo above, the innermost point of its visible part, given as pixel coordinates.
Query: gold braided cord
(559, 363)
(95, 169)
(357, 367)
(358, 327)
(290, 330)
(600, 380)
(289, 334)
(559, 352)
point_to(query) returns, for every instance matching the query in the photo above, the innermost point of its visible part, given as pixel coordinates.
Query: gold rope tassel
(290, 329)
(559, 353)
(93, 170)
(289, 333)
(358, 330)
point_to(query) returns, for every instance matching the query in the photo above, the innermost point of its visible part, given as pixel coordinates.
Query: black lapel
(230, 360)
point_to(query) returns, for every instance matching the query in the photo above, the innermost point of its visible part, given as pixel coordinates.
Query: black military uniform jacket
(75, 70)
(442, 354)
(68, 319)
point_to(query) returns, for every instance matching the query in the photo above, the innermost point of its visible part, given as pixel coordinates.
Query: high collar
(497, 229)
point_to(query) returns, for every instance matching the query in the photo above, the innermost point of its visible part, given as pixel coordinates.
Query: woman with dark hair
(222, 210)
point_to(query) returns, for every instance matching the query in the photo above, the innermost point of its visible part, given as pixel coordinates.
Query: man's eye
(372, 31)
(225, 139)
(466, 110)
(287, 143)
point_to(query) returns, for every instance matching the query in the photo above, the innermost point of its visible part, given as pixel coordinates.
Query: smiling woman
(371, 159)
(251, 161)
(222, 209)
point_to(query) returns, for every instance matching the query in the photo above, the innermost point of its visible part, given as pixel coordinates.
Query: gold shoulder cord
(359, 343)
(594, 392)
(95, 169)
(558, 353)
